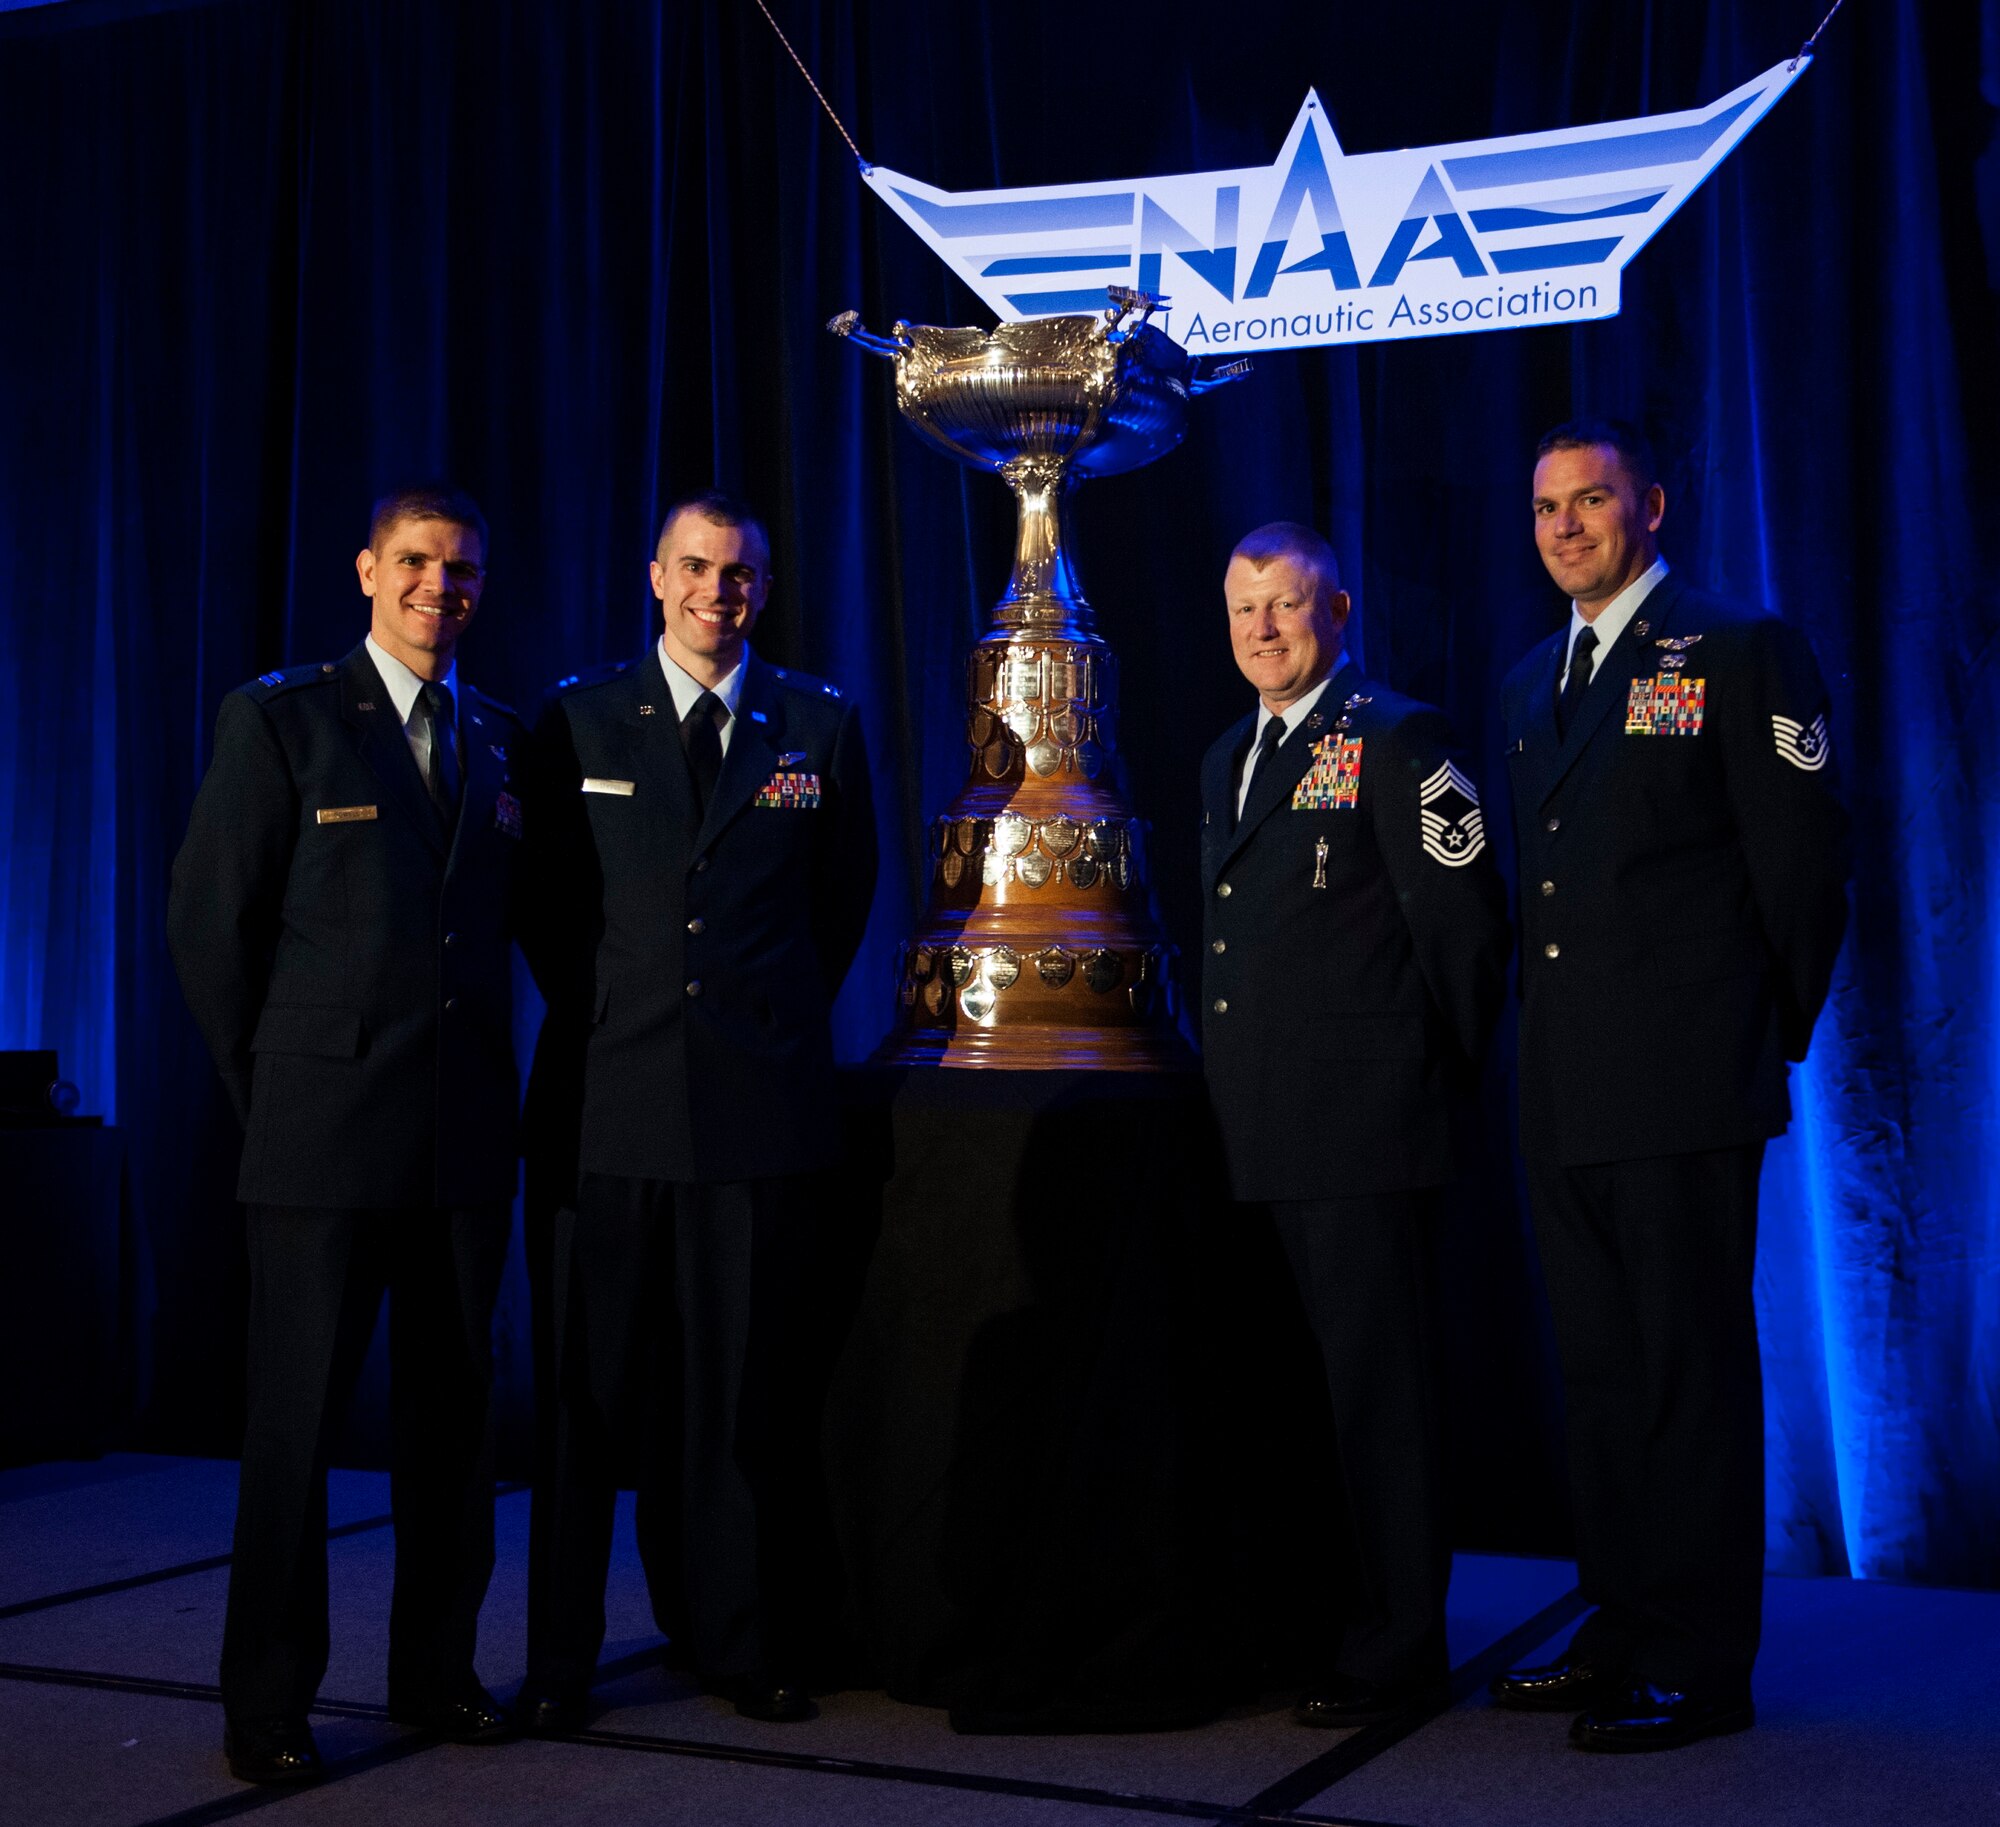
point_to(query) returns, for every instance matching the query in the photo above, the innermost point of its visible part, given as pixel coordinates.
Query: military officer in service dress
(340, 918)
(1682, 884)
(712, 835)
(1357, 944)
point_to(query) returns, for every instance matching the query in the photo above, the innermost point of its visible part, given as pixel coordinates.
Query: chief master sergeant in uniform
(340, 921)
(1682, 882)
(1357, 948)
(712, 835)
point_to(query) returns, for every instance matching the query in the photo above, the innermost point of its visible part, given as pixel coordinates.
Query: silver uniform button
(451, 938)
(450, 1003)
(1548, 888)
(697, 925)
(1219, 945)
(700, 863)
(1223, 891)
(1554, 824)
(1220, 1005)
(1552, 950)
(694, 988)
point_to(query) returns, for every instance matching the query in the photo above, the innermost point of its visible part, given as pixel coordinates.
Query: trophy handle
(849, 326)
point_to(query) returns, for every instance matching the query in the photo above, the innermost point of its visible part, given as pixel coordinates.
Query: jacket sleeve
(1430, 829)
(226, 901)
(844, 861)
(1784, 792)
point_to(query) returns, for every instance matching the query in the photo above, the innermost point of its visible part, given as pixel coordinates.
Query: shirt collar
(1611, 619)
(1299, 709)
(686, 688)
(402, 684)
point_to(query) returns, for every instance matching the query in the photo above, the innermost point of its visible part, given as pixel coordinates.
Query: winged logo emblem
(1321, 247)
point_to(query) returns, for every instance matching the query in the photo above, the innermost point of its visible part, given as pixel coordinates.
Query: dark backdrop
(262, 255)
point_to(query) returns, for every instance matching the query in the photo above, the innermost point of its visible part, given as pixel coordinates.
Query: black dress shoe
(473, 1717)
(551, 1709)
(771, 1698)
(1642, 1717)
(1345, 1700)
(1567, 1686)
(273, 1750)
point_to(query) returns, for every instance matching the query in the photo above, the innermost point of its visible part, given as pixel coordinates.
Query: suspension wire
(828, 106)
(1805, 50)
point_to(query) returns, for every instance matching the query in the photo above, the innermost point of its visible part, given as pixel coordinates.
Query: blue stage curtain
(266, 254)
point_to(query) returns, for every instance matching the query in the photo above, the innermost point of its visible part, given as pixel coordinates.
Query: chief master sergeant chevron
(1357, 944)
(1682, 882)
(712, 839)
(340, 919)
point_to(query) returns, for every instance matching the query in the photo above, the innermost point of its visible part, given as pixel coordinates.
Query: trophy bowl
(1040, 946)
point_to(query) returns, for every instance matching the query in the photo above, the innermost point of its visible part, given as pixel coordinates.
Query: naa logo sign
(1318, 247)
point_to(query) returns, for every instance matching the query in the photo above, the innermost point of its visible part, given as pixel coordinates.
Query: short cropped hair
(1631, 444)
(714, 506)
(1292, 539)
(433, 500)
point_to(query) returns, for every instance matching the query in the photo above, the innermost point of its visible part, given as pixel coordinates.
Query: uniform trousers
(681, 1310)
(317, 1277)
(1365, 1268)
(1649, 1266)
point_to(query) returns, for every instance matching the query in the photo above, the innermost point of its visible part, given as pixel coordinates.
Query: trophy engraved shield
(1043, 404)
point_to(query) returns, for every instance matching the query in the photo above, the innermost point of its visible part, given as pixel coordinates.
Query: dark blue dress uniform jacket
(1352, 1013)
(705, 961)
(353, 978)
(1682, 895)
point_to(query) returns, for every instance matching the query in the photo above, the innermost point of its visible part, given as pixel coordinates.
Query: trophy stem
(1043, 593)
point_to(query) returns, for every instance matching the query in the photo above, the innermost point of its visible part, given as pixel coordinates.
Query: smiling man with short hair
(1682, 884)
(711, 836)
(341, 917)
(1356, 947)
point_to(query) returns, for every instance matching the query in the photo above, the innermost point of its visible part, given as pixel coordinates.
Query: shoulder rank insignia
(1666, 705)
(790, 791)
(1333, 782)
(1454, 830)
(270, 678)
(1804, 745)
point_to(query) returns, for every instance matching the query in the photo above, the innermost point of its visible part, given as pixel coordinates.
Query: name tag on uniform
(344, 815)
(622, 789)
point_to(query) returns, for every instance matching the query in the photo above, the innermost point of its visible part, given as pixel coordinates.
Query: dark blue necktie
(1577, 683)
(442, 776)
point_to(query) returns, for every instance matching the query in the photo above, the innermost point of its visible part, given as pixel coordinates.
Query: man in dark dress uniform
(711, 832)
(1357, 947)
(1682, 881)
(340, 918)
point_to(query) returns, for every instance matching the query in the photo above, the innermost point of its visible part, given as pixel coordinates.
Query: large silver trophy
(1040, 947)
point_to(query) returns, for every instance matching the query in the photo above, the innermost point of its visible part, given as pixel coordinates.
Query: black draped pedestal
(1033, 1457)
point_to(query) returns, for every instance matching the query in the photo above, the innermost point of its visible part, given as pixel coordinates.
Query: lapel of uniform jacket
(659, 764)
(1224, 762)
(752, 756)
(485, 770)
(1272, 784)
(368, 710)
(1632, 656)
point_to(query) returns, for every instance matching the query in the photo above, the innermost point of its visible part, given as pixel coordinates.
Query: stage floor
(1876, 1703)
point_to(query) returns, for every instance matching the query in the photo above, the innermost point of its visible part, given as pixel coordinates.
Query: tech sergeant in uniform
(1682, 900)
(340, 920)
(712, 830)
(1357, 948)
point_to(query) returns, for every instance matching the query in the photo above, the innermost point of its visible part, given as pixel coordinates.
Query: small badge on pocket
(507, 814)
